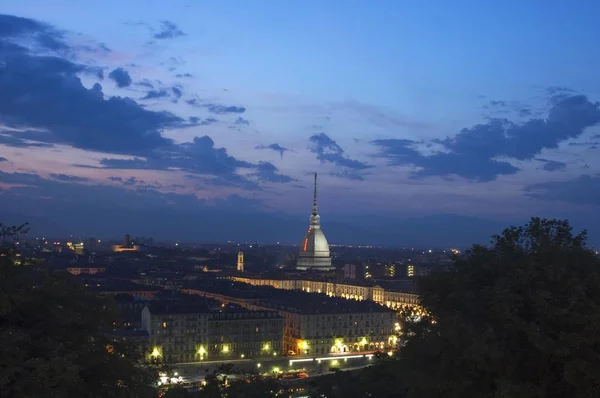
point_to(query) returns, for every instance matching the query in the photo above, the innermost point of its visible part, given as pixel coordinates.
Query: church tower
(240, 262)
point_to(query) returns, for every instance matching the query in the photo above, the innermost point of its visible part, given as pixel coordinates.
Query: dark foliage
(519, 318)
(49, 337)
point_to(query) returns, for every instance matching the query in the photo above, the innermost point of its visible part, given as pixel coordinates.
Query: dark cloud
(328, 151)
(242, 121)
(182, 75)
(121, 77)
(3, 159)
(177, 91)
(145, 83)
(155, 94)
(274, 147)
(43, 35)
(584, 190)
(267, 172)
(201, 157)
(45, 92)
(168, 30)
(203, 122)
(222, 109)
(17, 139)
(552, 165)
(473, 153)
(68, 178)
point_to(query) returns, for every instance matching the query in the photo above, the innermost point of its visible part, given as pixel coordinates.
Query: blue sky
(431, 122)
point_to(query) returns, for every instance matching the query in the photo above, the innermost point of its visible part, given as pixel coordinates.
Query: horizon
(428, 125)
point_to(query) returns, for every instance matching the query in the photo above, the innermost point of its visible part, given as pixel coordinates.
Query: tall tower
(240, 263)
(314, 251)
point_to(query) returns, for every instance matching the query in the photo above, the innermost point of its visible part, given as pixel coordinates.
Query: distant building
(390, 270)
(86, 269)
(240, 261)
(353, 271)
(314, 252)
(127, 246)
(410, 270)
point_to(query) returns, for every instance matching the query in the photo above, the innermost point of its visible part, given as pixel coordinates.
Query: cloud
(168, 30)
(3, 159)
(44, 92)
(201, 157)
(475, 152)
(43, 35)
(177, 91)
(203, 122)
(155, 94)
(121, 77)
(552, 165)
(351, 175)
(241, 120)
(585, 190)
(183, 75)
(223, 109)
(267, 172)
(18, 139)
(328, 151)
(274, 147)
(68, 178)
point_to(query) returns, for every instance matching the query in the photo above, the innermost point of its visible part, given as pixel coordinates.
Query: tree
(519, 318)
(50, 342)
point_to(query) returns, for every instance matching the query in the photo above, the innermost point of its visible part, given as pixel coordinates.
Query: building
(353, 271)
(392, 294)
(201, 330)
(314, 252)
(240, 261)
(314, 324)
(127, 246)
(86, 269)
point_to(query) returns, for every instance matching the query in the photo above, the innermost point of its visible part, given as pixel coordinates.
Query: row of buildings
(395, 295)
(312, 323)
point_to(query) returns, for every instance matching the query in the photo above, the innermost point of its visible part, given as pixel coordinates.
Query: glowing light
(258, 365)
(276, 370)
(201, 350)
(155, 353)
(225, 349)
(305, 243)
(363, 341)
(266, 347)
(242, 356)
(303, 345)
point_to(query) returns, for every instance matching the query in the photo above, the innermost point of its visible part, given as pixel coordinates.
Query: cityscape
(263, 199)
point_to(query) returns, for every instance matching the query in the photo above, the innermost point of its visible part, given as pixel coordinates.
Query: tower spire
(315, 209)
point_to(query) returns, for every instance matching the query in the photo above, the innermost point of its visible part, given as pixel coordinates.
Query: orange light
(305, 244)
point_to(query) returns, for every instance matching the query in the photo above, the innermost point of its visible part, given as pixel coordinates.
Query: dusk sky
(431, 123)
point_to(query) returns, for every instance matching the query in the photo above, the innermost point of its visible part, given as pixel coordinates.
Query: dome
(315, 243)
(314, 250)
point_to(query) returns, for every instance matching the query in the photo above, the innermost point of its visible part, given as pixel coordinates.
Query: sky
(431, 123)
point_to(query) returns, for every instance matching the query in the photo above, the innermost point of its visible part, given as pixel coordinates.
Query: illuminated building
(313, 324)
(76, 247)
(410, 270)
(390, 270)
(86, 269)
(314, 252)
(195, 332)
(395, 295)
(127, 246)
(240, 261)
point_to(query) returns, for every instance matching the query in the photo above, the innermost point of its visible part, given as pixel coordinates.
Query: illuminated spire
(315, 212)
(314, 218)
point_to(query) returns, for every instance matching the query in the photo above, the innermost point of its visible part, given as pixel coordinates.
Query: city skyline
(428, 125)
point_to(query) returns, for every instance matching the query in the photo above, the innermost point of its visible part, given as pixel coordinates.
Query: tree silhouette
(520, 318)
(50, 342)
